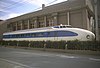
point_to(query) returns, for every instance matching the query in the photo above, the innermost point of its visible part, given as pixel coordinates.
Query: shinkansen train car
(55, 33)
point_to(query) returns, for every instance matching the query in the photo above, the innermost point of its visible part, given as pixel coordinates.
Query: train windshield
(63, 26)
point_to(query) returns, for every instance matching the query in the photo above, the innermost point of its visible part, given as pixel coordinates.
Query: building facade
(77, 13)
(98, 14)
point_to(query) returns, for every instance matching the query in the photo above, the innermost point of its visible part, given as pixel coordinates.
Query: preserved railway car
(55, 33)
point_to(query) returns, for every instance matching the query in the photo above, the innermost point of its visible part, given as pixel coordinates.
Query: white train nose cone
(90, 36)
(93, 36)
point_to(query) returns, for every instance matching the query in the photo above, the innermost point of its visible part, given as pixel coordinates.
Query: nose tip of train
(90, 36)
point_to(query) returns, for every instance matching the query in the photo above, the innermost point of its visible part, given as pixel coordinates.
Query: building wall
(98, 7)
(3, 28)
(76, 13)
(77, 18)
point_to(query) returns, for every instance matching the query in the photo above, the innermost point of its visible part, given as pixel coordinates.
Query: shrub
(71, 45)
(83, 45)
(56, 44)
(37, 44)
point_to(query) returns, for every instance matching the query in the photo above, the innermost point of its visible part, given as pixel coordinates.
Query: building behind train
(77, 13)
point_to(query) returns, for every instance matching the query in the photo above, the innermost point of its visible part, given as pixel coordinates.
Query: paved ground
(21, 58)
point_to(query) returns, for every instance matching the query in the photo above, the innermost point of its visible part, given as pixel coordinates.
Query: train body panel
(51, 33)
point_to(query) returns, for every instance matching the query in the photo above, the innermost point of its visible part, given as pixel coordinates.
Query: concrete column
(91, 23)
(45, 21)
(87, 20)
(49, 22)
(16, 26)
(68, 18)
(28, 24)
(21, 25)
(55, 19)
(96, 20)
(11, 28)
(84, 16)
(35, 23)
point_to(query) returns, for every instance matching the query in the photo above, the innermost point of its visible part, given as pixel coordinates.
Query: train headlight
(88, 36)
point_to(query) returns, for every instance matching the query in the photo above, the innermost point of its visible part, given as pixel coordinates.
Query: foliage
(84, 45)
(71, 45)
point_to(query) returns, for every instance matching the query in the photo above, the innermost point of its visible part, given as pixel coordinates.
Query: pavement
(80, 52)
(25, 58)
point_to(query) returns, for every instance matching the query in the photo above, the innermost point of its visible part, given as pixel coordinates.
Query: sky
(14, 8)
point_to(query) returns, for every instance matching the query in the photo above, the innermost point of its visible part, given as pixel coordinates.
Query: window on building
(32, 23)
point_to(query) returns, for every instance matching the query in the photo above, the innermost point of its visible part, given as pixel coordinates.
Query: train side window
(33, 34)
(26, 35)
(45, 34)
(10, 36)
(30, 34)
(15, 36)
(6, 36)
(40, 34)
(20, 35)
(23, 35)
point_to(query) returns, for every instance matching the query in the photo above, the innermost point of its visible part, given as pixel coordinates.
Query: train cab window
(63, 26)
